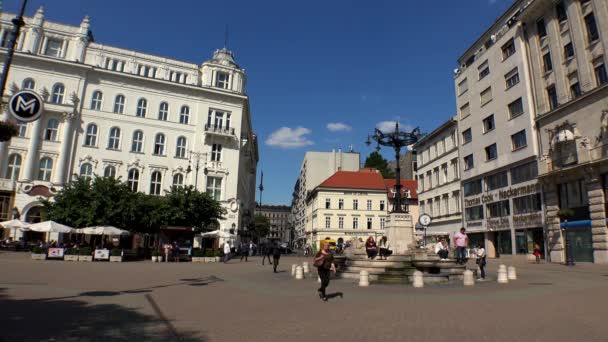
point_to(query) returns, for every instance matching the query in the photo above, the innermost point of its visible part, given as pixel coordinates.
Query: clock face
(424, 219)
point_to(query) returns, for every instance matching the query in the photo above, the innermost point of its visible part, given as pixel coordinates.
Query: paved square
(144, 301)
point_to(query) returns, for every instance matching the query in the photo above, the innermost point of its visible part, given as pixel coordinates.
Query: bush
(116, 252)
(71, 251)
(85, 251)
(198, 253)
(38, 250)
(156, 253)
(209, 253)
(218, 253)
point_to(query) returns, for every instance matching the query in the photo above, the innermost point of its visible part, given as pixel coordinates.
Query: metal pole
(196, 176)
(17, 24)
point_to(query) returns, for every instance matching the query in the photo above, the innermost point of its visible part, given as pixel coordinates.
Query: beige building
(280, 227)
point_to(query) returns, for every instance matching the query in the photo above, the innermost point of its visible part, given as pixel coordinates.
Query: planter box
(38, 256)
(156, 259)
(70, 257)
(209, 259)
(87, 258)
(115, 258)
(218, 259)
(198, 259)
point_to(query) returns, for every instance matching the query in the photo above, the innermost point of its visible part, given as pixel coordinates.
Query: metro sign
(26, 106)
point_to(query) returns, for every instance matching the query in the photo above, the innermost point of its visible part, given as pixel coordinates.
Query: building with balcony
(151, 121)
(280, 227)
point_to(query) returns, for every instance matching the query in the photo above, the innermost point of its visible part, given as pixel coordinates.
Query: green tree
(262, 226)
(190, 207)
(8, 130)
(376, 161)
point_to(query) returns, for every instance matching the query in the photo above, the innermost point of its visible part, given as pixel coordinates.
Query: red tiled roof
(410, 185)
(362, 179)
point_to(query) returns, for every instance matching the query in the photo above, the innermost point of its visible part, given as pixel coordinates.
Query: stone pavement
(142, 301)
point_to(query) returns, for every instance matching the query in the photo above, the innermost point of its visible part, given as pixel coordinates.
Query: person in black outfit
(276, 255)
(244, 252)
(324, 261)
(266, 251)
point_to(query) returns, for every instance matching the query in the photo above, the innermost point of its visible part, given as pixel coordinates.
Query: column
(554, 243)
(31, 161)
(63, 162)
(4, 116)
(599, 231)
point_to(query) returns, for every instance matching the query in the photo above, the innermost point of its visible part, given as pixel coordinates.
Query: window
(455, 169)
(498, 209)
(526, 204)
(541, 28)
(22, 129)
(221, 80)
(184, 115)
(133, 179)
(468, 162)
(518, 140)
(163, 111)
(486, 96)
(28, 83)
(465, 111)
(110, 171)
(592, 32)
(516, 108)
(488, 124)
(216, 152)
(508, 49)
(115, 64)
(45, 168)
(214, 187)
(472, 188)
(178, 180)
(327, 222)
(96, 100)
(444, 172)
(467, 136)
(340, 204)
(560, 11)
(512, 78)
(568, 51)
(90, 138)
(327, 203)
(463, 87)
(491, 152)
(142, 107)
(355, 205)
(572, 195)
(497, 181)
(552, 97)
(355, 223)
(219, 119)
(14, 166)
(52, 127)
(474, 213)
(119, 104)
(369, 222)
(382, 205)
(86, 171)
(484, 70)
(456, 198)
(159, 145)
(600, 74)
(382, 222)
(180, 147)
(53, 47)
(524, 173)
(547, 62)
(155, 183)
(341, 222)
(369, 204)
(575, 90)
(137, 142)
(57, 94)
(114, 140)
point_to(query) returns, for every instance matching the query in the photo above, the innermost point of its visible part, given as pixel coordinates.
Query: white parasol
(102, 230)
(51, 227)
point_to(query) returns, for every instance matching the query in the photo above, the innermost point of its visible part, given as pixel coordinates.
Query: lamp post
(17, 24)
(397, 140)
(197, 156)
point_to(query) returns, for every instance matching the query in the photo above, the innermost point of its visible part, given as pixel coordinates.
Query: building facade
(408, 165)
(280, 226)
(439, 180)
(316, 167)
(151, 121)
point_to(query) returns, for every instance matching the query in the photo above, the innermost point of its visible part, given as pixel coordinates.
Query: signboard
(424, 220)
(526, 220)
(55, 253)
(102, 254)
(26, 106)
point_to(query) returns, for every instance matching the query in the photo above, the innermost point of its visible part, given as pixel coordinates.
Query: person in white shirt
(481, 262)
(226, 251)
(441, 249)
(461, 241)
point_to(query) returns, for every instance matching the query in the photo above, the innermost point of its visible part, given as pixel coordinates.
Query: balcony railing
(219, 129)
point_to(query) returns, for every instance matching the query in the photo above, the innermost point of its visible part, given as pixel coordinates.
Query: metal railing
(219, 129)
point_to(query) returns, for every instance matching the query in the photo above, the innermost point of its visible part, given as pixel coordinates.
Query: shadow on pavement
(334, 295)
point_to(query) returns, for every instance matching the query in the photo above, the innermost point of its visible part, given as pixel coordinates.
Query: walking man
(244, 250)
(266, 252)
(276, 255)
(461, 241)
(226, 251)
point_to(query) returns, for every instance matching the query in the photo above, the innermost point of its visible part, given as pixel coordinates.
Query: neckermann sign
(26, 106)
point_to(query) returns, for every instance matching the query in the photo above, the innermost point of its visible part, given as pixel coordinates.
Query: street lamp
(197, 156)
(397, 140)
(17, 24)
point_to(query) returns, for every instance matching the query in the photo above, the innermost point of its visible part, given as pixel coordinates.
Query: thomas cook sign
(26, 106)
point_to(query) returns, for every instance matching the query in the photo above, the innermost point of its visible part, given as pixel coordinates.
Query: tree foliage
(8, 130)
(190, 207)
(262, 226)
(376, 161)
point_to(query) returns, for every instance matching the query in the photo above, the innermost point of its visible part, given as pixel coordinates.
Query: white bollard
(511, 274)
(318, 279)
(469, 280)
(502, 274)
(305, 267)
(293, 270)
(363, 278)
(418, 279)
(299, 273)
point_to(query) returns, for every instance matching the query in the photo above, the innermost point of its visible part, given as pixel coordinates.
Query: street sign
(424, 220)
(26, 106)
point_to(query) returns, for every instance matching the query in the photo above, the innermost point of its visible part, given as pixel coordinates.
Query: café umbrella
(14, 225)
(51, 227)
(102, 230)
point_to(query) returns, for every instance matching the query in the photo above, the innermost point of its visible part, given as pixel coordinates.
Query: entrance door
(581, 244)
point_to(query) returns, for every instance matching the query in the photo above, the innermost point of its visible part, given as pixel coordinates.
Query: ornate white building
(115, 112)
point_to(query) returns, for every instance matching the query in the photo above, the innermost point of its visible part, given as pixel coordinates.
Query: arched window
(180, 147)
(133, 179)
(114, 140)
(28, 83)
(159, 144)
(86, 171)
(90, 138)
(138, 141)
(52, 127)
(119, 104)
(155, 183)
(163, 111)
(178, 180)
(96, 100)
(14, 166)
(184, 115)
(142, 107)
(34, 215)
(45, 169)
(57, 94)
(110, 171)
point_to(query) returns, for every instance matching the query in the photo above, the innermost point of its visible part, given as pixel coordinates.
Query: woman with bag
(324, 262)
(481, 262)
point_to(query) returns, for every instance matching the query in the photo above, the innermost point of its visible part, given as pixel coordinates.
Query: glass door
(581, 244)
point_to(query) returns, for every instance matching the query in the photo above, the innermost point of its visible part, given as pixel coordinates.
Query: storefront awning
(575, 224)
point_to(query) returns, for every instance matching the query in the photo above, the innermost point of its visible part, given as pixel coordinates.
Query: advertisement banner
(102, 254)
(55, 253)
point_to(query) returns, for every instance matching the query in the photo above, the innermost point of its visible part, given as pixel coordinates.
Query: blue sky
(309, 63)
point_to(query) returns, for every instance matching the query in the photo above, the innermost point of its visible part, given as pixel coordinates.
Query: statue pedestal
(400, 232)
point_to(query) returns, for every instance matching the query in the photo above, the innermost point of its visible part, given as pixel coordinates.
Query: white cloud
(338, 127)
(286, 137)
(389, 126)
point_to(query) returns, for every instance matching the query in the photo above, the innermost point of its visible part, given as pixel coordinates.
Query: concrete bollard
(299, 273)
(511, 274)
(468, 280)
(318, 279)
(305, 267)
(502, 274)
(363, 278)
(418, 279)
(293, 270)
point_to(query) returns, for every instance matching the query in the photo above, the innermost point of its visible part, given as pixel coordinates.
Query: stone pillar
(63, 162)
(400, 232)
(489, 242)
(554, 243)
(597, 212)
(31, 161)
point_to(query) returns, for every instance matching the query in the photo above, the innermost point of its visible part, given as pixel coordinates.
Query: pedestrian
(384, 248)
(266, 252)
(461, 241)
(324, 262)
(276, 255)
(175, 251)
(481, 262)
(251, 246)
(226, 252)
(167, 249)
(441, 249)
(244, 251)
(371, 248)
(537, 252)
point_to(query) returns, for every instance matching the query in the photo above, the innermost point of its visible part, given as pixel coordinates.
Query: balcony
(220, 130)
